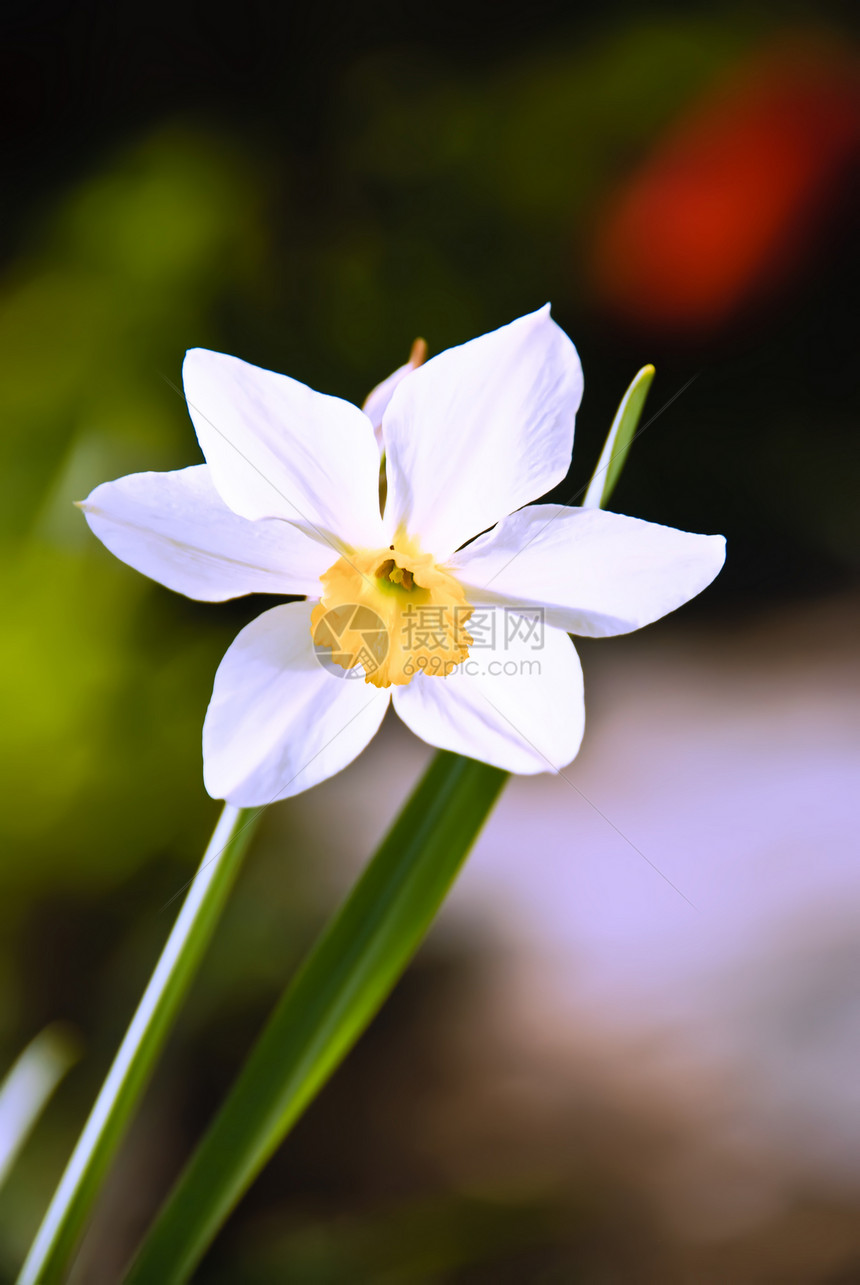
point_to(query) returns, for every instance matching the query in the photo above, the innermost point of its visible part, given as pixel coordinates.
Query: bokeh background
(629, 1050)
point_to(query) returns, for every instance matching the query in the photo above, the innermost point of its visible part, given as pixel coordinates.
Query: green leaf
(73, 1200)
(351, 970)
(614, 454)
(28, 1086)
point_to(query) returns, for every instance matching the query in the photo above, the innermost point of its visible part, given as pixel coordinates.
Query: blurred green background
(310, 187)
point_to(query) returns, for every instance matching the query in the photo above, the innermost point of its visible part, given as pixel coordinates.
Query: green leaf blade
(28, 1086)
(613, 457)
(342, 984)
(73, 1201)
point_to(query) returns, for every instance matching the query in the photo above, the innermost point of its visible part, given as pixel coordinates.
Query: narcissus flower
(469, 640)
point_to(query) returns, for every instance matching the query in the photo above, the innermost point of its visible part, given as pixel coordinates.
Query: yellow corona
(393, 611)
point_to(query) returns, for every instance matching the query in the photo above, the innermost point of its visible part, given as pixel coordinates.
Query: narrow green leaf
(73, 1200)
(351, 970)
(28, 1085)
(614, 454)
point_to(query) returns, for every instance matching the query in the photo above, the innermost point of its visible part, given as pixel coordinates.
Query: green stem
(73, 1200)
(349, 973)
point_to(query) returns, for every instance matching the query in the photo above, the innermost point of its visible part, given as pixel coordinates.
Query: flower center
(394, 612)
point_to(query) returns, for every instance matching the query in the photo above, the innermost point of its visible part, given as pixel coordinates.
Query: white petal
(278, 722)
(176, 529)
(514, 705)
(376, 402)
(278, 449)
(592, 572)
(480, 430)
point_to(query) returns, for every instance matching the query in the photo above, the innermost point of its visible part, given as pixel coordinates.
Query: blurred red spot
(731, 200)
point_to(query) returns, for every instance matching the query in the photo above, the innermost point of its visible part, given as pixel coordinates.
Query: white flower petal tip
(514, 704)
(176, 529)
(376, 402)
(278, 449)
(591, 572)
(480, 430)
(278, 722)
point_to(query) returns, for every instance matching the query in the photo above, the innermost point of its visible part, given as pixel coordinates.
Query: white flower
(288, 503)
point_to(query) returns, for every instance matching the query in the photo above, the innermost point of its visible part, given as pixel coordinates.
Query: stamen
(401, 576)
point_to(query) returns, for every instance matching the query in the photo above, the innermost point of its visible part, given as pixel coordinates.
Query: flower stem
(351, 970)
(73, 1200)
